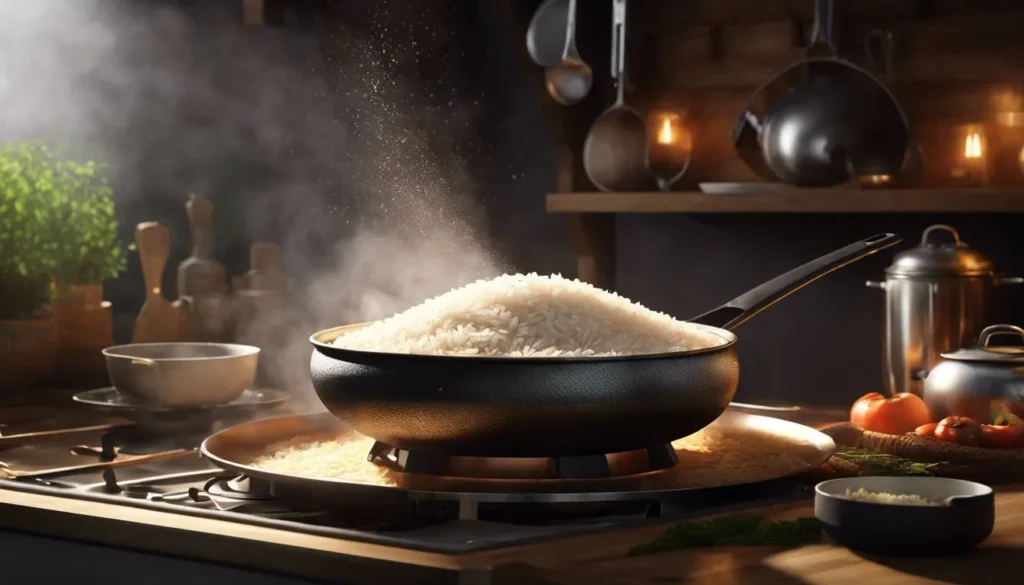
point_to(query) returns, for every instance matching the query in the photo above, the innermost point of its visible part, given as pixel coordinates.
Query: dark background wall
(419, 119)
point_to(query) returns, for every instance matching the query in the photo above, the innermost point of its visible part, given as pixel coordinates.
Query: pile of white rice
(529, 315)
(863, 495)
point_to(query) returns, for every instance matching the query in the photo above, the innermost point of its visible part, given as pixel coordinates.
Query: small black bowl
(963, 518)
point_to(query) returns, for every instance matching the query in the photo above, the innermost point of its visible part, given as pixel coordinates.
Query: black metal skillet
(546, 407)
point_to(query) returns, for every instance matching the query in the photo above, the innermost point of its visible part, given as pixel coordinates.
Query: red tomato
(1002, 436)
(869, 397)
(900, 414)
(959, 429)
(927, 430)
(979, 409)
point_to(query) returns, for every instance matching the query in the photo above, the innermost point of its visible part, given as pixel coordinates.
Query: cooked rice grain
(529, 316)
(707, 458)
(325, 459)
(863, 495)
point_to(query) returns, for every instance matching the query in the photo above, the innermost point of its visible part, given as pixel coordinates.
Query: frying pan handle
(750, 119)
(739, 310)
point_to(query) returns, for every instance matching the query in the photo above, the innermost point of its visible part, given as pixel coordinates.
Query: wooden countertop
(602, 559)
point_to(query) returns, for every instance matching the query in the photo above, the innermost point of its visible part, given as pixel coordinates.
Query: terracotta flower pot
(28, 352)
(85, 326)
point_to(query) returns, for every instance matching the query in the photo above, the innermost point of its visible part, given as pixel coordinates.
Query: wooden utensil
(122, 461)
(41, 437)
(158, 321)
(200, 274)
(265, 268)
(202, 281)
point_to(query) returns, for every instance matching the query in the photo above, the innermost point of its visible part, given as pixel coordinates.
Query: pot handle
(139, 361)
(1001, 280)
(739, 310)
(992, 330)
(926, 346)
(875, 284)
(751, 119)
(926, 239)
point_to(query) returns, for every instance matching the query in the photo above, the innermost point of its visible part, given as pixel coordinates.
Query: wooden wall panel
(955, 62)
(983, 47)
(671, 14)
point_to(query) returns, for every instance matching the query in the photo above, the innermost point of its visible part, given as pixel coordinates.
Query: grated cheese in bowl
(863, 495)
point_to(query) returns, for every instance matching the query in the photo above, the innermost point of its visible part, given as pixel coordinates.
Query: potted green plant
(28, 333)
(83, 251)
(73, 236)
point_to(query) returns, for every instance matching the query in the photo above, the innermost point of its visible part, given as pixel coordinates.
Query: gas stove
(160, 469)
(190, 485)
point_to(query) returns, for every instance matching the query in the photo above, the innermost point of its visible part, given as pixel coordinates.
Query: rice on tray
(529, 316)
(711, 457)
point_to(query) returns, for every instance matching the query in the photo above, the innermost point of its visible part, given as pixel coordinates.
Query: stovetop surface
(190, 485)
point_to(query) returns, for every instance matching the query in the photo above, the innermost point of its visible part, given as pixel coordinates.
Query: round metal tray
(235, 448)
(112, 399)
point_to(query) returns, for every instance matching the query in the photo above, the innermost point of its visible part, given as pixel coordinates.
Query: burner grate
(562, 467)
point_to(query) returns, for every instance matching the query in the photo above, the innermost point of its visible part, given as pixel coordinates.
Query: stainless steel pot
(936, 301)
(978, 381)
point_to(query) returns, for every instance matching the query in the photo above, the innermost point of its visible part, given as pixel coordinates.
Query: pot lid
(986, 352)
(937, 256)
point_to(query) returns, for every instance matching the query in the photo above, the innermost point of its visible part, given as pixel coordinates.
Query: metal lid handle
(926, 236)
(992, 330)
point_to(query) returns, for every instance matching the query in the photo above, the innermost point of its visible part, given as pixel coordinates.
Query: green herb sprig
(734, 531)
(874, 463)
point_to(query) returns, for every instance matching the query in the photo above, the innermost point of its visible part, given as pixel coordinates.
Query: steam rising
(347, 146)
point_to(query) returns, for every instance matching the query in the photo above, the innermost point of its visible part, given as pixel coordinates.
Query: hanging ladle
(615, 152)
(570, 80)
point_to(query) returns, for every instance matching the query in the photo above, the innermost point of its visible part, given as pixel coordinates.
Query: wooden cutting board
(159, 320)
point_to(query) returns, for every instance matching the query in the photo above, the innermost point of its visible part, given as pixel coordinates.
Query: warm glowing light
(669, 145)
(972, 145)
(665, 134)
(876, 180)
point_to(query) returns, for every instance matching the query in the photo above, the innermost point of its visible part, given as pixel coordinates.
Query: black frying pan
(542, 407)
(827, 121)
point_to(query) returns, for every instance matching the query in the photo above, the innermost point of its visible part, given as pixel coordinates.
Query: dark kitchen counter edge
(200, 535)
(32, 510)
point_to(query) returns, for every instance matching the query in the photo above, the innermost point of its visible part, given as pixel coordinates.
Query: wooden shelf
(793, 200)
